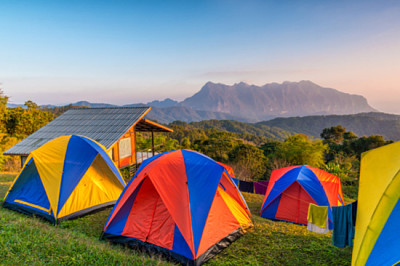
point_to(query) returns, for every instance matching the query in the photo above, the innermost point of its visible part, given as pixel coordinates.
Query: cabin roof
(104, 125)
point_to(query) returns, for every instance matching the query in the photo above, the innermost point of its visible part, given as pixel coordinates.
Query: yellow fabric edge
(33, 205)
(378, 221)
(238, 212)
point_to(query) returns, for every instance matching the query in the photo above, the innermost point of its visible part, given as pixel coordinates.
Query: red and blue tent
(181, 204)
(291, 190)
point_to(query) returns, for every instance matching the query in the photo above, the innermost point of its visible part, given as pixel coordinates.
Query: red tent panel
(294, 204)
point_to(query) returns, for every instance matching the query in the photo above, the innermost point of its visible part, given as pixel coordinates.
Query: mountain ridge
(362, 124)
(251, 103)
(274, 100)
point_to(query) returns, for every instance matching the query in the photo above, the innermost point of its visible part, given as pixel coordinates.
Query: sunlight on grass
(25, 239)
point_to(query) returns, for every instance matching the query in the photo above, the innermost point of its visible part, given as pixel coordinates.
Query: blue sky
(136, 51)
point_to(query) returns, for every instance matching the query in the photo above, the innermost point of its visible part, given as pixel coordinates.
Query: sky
(122, 52)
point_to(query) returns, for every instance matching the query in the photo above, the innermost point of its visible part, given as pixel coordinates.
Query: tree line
(252, 156)
(15, 125)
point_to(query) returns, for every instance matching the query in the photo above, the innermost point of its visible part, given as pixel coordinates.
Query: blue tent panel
(78, 158)
(387, 247)
(180, 246)
(282, 184)
(106, 158)
(202, 183)
(29, 188)
(117, 225)
(313, 186)
(272, 208)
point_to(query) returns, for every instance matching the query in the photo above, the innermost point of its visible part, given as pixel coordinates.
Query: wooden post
(152, 141)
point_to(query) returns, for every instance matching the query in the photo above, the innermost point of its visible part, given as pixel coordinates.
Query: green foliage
(344, 153)
(16, 124)
(299, 150)
(20, 122)
(3, 111)
(249, 162)
(218, 145)
(161, 142)
(347, 169)
(256, 134)
(334, 134)
(364, 124)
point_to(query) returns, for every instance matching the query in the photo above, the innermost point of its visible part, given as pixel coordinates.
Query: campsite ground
(24, 239)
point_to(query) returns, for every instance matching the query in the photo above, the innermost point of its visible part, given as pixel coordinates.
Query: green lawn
(25, 239)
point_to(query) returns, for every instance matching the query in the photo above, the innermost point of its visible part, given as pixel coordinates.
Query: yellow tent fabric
(49, 160)
(379, 191)
(317, 215)
(97, 186)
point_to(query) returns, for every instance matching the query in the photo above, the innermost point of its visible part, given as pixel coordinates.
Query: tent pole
(152, 141)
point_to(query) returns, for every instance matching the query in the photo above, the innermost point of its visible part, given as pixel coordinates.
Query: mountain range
(251, 103)
(275, 100)
(363, 124)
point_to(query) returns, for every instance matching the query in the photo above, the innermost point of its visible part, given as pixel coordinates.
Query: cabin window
(125, 149)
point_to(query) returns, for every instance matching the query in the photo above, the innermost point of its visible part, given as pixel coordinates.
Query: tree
(334, 134)
(21, 122)
(185, 144)
(364, 144)
(249, 162)
(299, 149)
(218, 145)
(3, 110)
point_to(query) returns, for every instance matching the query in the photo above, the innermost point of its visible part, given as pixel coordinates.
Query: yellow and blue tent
(65, 178)
(377, 230)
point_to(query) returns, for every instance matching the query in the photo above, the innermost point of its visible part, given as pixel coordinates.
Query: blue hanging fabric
(343, 226)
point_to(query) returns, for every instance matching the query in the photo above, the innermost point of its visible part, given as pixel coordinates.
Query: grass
(29, 240)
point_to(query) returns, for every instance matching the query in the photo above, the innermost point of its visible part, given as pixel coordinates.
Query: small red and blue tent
(181, 204)
(291, 190)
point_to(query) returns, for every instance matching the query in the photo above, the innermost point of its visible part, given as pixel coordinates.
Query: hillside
(187, 114)
(364, 124)
(272, 100)
(241, 128)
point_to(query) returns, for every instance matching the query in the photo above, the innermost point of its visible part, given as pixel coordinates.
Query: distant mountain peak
(162, 104)
(273, 99)
(242, 83)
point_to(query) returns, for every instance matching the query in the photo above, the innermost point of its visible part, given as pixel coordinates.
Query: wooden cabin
(115, 128)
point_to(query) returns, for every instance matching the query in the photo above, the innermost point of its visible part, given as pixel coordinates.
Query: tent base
(32, 212)
(29, 211)
(90, 210)
(169, 254)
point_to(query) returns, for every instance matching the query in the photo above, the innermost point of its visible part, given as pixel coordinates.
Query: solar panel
(107, 125)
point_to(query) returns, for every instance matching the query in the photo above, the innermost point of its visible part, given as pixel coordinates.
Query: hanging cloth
(245, 186)
(343, 228)
(317, 218)
(260, 187)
